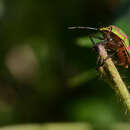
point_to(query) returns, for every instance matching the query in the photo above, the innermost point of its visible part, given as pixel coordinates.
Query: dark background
(45, 76)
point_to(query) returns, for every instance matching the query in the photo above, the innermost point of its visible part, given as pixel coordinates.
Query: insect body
(115, 40)
(118, 42)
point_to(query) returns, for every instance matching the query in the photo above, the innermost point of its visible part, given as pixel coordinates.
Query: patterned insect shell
(118, 32)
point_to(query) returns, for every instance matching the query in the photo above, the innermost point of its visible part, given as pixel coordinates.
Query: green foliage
(88, 108)
(82, 78)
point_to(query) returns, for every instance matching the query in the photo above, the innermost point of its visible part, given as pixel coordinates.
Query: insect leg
(109, 56)
(93, 42)
(102, 42)
(99, 38)
(90, 36)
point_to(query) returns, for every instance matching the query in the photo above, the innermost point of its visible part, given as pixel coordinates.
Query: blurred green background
(47, 72)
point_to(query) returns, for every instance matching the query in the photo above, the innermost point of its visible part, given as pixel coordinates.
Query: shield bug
(115, 40)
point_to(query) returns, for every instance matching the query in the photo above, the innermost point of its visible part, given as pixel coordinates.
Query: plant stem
(109, 71)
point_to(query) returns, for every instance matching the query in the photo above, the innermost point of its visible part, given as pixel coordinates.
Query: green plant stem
(109, 71)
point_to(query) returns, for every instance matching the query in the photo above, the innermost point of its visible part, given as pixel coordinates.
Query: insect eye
(109, 29)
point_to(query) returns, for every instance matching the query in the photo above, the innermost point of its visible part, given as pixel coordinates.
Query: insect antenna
(84, 28)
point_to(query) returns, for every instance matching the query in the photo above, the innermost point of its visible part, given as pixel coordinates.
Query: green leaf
(84, 42)
(82, 77)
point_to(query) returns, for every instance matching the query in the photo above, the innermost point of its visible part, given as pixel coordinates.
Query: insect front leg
(91, 39)
(97, 37)
(94, 43)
